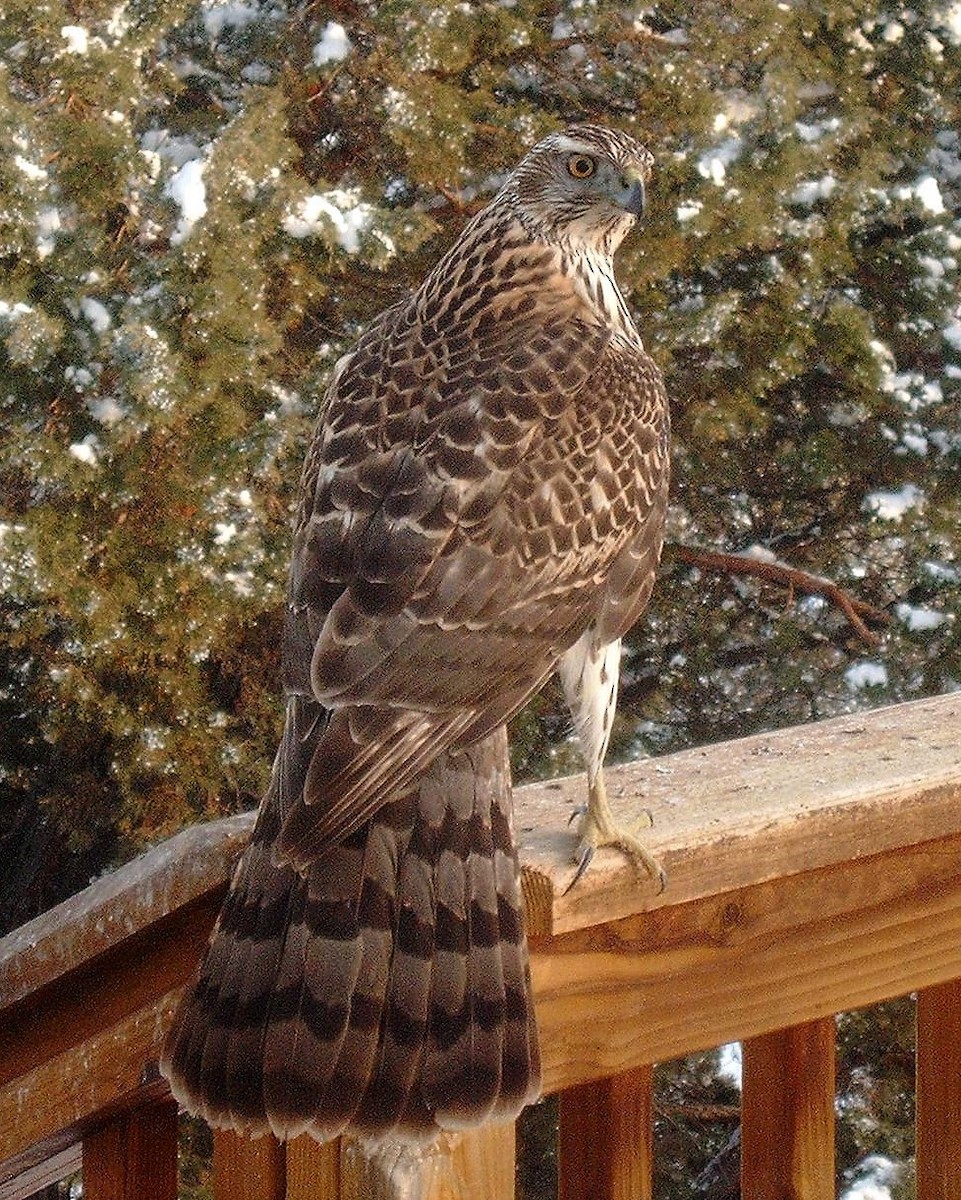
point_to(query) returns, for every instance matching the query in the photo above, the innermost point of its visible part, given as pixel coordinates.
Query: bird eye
(581, 166)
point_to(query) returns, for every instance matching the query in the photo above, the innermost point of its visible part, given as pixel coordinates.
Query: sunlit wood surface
(809, 871)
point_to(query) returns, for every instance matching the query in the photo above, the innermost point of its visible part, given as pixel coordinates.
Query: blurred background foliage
(202, 204)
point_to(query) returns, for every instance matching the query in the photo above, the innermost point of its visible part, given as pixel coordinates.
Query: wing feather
(439, 573)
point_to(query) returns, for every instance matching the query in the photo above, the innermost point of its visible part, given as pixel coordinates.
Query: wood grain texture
(58, 1101)
(313, 1170)
(606, 1138)
(99, 994)
(658, 985)
(133, 1156)
(811, 870)
(248, 1168)
(477, 1164)
(739, 813)
(787, 1113)
(938, 1155)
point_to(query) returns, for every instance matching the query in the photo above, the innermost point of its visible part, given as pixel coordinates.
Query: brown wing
(465, 502)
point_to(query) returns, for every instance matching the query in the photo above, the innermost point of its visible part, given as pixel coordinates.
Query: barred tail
(385, 991)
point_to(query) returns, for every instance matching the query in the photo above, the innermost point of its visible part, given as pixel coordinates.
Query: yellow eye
(581, 166)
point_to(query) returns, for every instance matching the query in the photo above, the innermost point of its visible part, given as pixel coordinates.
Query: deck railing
(810, 871)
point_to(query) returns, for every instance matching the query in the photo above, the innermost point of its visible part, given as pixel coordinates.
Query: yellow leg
(598, 827)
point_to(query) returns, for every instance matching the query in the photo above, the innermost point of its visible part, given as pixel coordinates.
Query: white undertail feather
(589, 673)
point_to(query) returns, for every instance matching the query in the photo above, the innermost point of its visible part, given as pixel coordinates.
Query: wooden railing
(809, 871)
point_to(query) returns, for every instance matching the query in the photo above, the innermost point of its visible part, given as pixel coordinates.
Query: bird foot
(598, 828)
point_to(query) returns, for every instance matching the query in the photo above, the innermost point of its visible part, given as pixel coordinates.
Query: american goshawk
(482, 503)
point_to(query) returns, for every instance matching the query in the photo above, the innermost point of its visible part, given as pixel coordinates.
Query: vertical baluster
(939, 1092)
(787, 1113)
(313, 1170)
(248, 1168)
(606, 1138)
(133, 1156)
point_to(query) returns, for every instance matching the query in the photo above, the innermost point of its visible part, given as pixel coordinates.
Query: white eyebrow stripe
(573, 146)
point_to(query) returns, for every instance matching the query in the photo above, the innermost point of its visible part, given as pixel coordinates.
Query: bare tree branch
(856, 611)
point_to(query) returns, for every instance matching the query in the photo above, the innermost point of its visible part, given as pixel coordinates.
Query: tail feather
(403, 1039)
(386, 990)
(309, 1002)
(520, 1053)
(463, 1074)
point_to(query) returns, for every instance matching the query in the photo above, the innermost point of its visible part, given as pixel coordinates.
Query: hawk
(482, 503)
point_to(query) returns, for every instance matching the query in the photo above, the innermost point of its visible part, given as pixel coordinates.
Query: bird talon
(586, 856)
(599, 828)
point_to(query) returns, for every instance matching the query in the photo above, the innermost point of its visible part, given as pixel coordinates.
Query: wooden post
(478, 1164)
(606, 1138)
(787, 1113)
(248, 1168)
(313, 1170)
(133, 1156)
(938, 1066)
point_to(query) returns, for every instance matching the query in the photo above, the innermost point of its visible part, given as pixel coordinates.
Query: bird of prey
(483, 502)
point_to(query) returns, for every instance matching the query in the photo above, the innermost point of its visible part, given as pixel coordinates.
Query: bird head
(582, 187)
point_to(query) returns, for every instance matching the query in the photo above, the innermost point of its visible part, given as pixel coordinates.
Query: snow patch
(241, 581)
(917, 443)
(175, 149)
(81, 377)
(866, 674)
(918, 619)
(927, 193)
(950, 19)
(759, 553)
(729, 1063)
(942, 572)
(77, 38)
(187, 190)
(334, 45)
(97, 314)
(86, 451)
(48, 226)
(687, 210)
(31, 170)
(812, 190)
(952, 335)
(874, 1179)
(349, 216)
(714, 163)
(815, 131)
(891, 506)
(17, 309)
(120, 22)
(106, 410)
(234, 15)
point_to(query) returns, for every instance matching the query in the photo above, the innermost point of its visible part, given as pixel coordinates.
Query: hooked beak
(633, 198)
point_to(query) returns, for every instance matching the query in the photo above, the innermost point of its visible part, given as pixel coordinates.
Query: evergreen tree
(201, 205)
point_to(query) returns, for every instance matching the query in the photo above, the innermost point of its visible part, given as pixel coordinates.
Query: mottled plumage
(483, 500)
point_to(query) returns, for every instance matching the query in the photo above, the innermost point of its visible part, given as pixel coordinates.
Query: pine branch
(699, 1112)
(857, 612)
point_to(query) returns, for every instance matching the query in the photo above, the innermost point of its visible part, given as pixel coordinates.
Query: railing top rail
(799, 798)
(738, 813)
